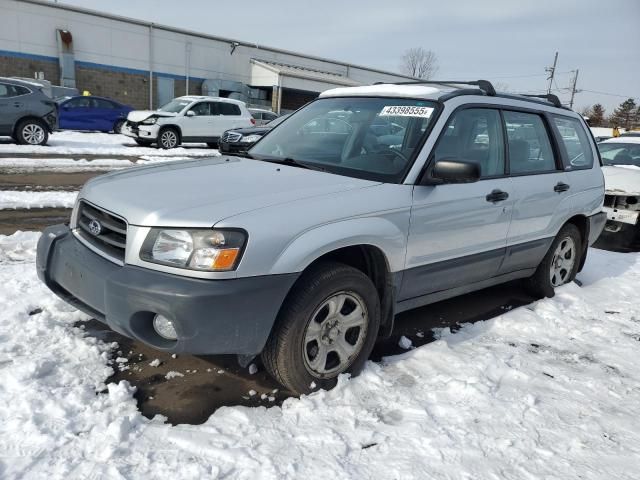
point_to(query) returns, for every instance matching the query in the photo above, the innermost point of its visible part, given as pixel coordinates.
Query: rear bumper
(596, 225)
(210, 316)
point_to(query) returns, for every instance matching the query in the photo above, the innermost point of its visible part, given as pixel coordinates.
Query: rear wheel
(32, 132)
(327, 326)
(560, 264)
(168, 138)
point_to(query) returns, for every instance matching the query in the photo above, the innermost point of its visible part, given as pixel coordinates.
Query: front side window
(529, 145)
(575, 141)
(174, 106)
(340, 135)
(474, 135)
(618, 153)
(201, 109)
(82, 102)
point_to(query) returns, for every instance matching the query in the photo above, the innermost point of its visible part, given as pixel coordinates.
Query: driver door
(458, 232)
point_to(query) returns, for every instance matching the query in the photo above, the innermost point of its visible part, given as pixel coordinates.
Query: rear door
(540, 185)
(104, 114)
(9, 108)
(458, 232)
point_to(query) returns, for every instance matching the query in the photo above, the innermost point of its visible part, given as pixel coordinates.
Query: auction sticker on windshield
(406, 111)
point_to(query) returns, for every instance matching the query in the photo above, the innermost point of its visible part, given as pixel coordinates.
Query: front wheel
(168, 138)
(32, 132)
(560, 264)
(327, 326)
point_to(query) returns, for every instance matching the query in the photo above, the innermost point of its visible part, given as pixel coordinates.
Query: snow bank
(551, 390)
(10, 199)
(79, 143)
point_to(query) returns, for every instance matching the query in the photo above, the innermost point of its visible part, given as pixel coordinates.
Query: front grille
(231, 137)
(102, 230)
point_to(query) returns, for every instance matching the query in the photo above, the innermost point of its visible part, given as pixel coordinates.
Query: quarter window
(575, 142)
(225, 108)
(474, 135)
(529, 145)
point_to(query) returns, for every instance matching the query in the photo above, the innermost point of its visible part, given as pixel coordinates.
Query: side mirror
(191, 113)
(452, 170)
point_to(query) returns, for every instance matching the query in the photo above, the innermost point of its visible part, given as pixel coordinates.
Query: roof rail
(549, 97)
(484, 85)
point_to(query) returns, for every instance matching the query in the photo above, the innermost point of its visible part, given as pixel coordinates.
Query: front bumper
(141, 132)
(210, 316)
(235, 147)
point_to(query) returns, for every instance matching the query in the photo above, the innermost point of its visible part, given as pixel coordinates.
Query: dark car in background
(92, 113)
(239, 140)
(26, 114)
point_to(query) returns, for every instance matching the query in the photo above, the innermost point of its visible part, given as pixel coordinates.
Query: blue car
(92, 113)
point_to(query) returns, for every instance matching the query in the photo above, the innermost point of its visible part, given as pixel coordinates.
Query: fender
(379, 232)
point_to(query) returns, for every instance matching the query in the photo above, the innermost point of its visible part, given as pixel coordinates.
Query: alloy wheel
(168, 139)
(33, 134)
(335, 334)
(563, 261)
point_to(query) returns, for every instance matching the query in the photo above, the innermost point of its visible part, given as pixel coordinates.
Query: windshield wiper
(294, 163)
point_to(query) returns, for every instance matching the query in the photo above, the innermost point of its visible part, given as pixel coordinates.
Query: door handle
(497, 196)
(561, 187)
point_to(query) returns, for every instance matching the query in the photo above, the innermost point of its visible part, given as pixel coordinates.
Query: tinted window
(225, 108)
(7, 91)
(81, 102)
(529, 145)
(269, 116)
(575, 141)
(99, 103)
(474, 135)
(201, 109)
(256, 115)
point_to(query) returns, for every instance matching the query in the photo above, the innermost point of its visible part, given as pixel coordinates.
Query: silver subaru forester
(366, 202)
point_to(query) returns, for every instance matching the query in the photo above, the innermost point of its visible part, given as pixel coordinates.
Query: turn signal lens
(226, 259)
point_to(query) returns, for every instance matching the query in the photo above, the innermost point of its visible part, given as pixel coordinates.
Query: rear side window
(99, 103)
(575, 142)
(225, 108)
(529, 145)
(8, 91)
(474, 135)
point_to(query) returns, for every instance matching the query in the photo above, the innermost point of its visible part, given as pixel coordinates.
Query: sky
(509, 42)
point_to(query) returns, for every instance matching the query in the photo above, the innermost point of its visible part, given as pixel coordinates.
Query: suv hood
(621, 180)
(140, 115)
(200, 193)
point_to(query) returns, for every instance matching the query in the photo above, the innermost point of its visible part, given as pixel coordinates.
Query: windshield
(278, 121)
(369, 138)
(174, 106)
(617, 153)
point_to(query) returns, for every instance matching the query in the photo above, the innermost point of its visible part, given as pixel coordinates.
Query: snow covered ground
(551, 390)
(91, 143)
(13, 199)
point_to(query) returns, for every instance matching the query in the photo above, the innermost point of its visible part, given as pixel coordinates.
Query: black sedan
(240, 140)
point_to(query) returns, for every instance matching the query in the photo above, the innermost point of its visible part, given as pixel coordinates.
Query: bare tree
(419, 63)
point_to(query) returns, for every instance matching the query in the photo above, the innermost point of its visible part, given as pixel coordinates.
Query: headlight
(149, 121)
(251, 138)
(210, 250)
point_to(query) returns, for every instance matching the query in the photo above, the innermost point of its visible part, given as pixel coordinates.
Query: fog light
(164, 327)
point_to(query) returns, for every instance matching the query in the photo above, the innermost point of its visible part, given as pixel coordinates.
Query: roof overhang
(268, 74)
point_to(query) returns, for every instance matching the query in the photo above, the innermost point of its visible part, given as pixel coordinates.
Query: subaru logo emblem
(95, 227)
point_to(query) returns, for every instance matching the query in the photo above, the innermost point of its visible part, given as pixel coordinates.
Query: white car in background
(187, 119)
(621, 168)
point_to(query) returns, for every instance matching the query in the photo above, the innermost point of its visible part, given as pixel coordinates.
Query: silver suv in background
(187, 119)
(27, 115)
(262, 117)
(366, 202)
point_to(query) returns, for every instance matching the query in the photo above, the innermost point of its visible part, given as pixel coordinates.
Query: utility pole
(573, 88)
(551, 71)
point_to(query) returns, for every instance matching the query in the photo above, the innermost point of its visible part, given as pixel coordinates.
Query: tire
(117, 127)
(32, 132)
(143, 143)
(564, 253)
(168, 138)
(212, 144)
(302, 352)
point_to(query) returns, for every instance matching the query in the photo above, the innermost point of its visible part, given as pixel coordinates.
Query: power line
(610, 94)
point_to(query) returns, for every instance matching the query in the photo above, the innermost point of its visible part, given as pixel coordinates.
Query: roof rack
(484, 85)
(549, 97)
